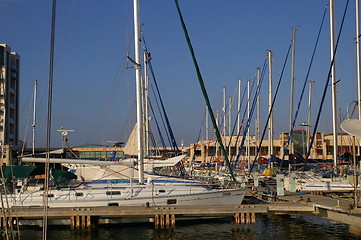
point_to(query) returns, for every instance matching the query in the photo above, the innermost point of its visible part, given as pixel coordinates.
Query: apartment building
(9, 96)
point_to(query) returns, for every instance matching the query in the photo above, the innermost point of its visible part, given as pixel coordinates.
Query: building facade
(207, 151)
(9, 96)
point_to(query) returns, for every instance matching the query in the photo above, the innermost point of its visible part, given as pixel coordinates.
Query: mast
(309, 113)
(34, 115)
(334, 106)
(230, 125)
(359, 89)
(258, 127)
(49, 118)
(217, 124)
(224, 113)
(207, 126)
(270, 125)
(239, 111)
(358, 57)
(138, 78)
(248, 116)
(292, 84)
(145, 104)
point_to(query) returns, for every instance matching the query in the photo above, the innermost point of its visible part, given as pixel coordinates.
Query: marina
(234, 175)
(339, 210)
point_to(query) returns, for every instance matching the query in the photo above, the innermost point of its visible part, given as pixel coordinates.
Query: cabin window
(162, 191)
(50, 195)
(113, 204)
(172, 201)
(112, 193)
(79, 194)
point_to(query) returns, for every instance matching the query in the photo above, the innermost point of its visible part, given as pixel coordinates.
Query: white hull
(140, 195)
(309, 182)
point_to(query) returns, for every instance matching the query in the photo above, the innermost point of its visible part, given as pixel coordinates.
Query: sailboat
(135, 191)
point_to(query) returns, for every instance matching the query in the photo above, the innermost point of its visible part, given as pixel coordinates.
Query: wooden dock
(292, 203)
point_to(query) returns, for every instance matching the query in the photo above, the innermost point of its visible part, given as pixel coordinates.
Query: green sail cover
(21, 171)
(62, 176)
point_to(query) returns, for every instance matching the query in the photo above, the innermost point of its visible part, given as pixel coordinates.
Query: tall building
(9, 96)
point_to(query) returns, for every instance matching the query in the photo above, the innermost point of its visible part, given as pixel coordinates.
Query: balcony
(14, 67)
(13, 75)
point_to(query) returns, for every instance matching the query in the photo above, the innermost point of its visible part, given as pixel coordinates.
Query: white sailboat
(134, 192)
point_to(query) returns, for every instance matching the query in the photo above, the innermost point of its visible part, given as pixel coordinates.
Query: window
(172, 201)
(162, 191)
(111, 193)
(79, 194)
(113, 204)
(12, 98)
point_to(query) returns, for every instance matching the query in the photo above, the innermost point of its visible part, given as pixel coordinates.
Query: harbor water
(266, 227)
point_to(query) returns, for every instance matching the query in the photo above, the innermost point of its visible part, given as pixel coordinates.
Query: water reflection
(266, 227)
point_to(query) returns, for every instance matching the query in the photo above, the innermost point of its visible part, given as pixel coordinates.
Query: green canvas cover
(21, 171)
(62, 176)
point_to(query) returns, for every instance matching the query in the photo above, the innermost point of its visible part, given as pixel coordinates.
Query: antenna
(64, 134)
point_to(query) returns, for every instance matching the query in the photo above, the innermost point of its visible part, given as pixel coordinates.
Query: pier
(292, 203)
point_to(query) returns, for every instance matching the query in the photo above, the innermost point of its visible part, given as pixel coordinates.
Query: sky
(94, 90)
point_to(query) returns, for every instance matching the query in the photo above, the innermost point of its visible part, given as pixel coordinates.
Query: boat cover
(21, 171)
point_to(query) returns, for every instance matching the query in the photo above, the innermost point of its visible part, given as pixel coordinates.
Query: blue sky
(94, 92)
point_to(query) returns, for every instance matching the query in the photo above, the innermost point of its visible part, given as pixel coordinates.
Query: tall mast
(334, 106)
(309, 113)
(270, 124)
(224, 114)
(248, 116)
(207, 126)
(358, 57)
(359, 89)
(258, 127)
(138, 78)
(217, 123)
(292, 84)
(145, 104)
(34, 115)
(230, 125)
(239, 111)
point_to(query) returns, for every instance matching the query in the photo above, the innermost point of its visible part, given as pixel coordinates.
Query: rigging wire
(157, 125)
(48, 132)
(163, 121)
(303, 89)
(326, 85)
(169, 128)
(201, 82)
(271, 109)
(254, 103)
